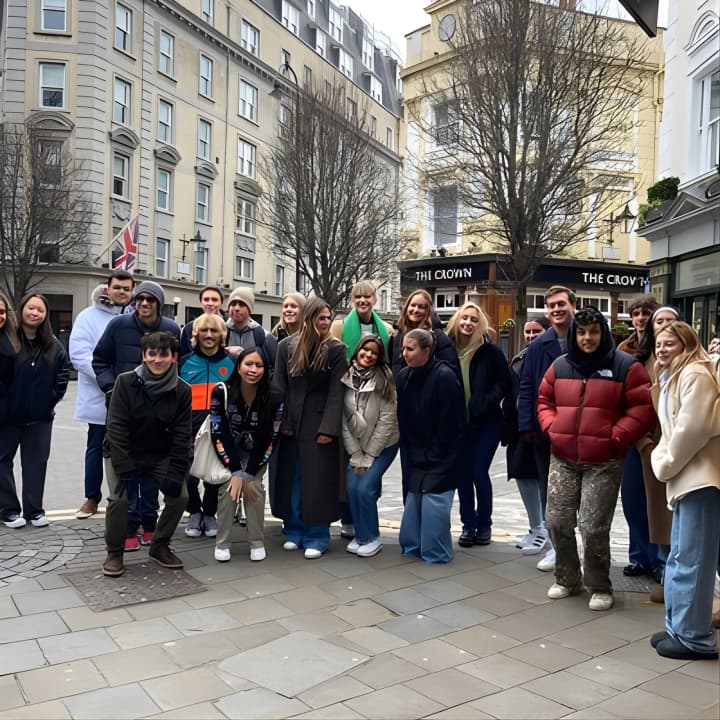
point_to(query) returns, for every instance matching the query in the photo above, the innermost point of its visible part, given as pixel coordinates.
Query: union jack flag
(124, 257)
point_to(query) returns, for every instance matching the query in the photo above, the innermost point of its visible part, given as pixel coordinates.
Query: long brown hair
(402, 322)
(11, 327)
(310, 350)
(44, 330)
(384, 380)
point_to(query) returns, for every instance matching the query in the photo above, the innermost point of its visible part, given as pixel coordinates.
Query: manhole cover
(142, 582)
(623, 583)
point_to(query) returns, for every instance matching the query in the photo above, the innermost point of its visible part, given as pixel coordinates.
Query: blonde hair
(310, 350)
(214, 321)
(402, 322)
(364, 287)
(477, 338)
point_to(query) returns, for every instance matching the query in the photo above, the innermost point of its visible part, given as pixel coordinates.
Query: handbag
(206, 464)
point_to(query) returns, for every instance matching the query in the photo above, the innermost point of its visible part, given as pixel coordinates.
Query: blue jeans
(143, 504)
(425, 526)
(690, 569)
(634, 503)
(474, 487)
(94, 462)
(363, 492)
(315, 537)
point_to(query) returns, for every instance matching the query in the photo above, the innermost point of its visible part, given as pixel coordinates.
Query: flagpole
(109, 246)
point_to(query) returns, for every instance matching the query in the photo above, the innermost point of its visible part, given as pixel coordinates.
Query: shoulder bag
(206, 464)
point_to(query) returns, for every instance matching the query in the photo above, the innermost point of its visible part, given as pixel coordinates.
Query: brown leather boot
(113, 565)
(163, 555)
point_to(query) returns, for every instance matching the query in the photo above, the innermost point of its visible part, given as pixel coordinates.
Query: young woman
(417, 313)
(291, 318)
(40, 378)
(9, 345)
(486, 383)
(431, 417)
(244, 438)
(370, 435)
(308, 376)
(687, 400)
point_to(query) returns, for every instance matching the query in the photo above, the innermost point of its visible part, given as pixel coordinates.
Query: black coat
(118, 350)
(444, 350)
(149, 434)
(39, 382)
(7, 368)
(489, 385)
(431, 416)
(313, 406)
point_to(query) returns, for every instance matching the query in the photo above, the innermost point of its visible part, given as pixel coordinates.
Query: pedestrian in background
(687, 460)
(9, 345)
(40, 375)
(431, 418)
(291, 316)
(486, 383)
(370, 436)
(308, 373)
(211, 299)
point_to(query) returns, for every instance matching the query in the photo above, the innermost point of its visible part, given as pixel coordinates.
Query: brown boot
(657, 594)
(113, 565)
(163, 555)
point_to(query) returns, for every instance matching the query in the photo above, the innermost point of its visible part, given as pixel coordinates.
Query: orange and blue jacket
(202, 373)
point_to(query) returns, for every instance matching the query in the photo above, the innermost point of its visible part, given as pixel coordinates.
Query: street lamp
(184, 267)
(277, 93)
(626, 217)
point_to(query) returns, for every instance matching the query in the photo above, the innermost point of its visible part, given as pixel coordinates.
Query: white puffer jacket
(369, 423)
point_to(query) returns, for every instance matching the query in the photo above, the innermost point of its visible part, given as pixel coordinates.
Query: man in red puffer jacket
(594, 402)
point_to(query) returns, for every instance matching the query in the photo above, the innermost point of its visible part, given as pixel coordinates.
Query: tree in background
(333, 206)
(44, 214)
(535, 112)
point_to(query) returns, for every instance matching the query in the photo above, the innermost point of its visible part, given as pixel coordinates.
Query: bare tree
(536, 112)
(333, 206)
(44, 213)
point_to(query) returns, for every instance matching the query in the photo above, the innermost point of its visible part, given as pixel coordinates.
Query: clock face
(446, 28)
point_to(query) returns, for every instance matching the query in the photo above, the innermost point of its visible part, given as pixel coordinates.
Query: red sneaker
(132, 544)
(147, 537)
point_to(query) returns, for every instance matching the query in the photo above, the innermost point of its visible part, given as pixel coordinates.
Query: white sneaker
(257, 554)
(558, 592)
(210, 525)
(524, 540)
(15, 521)
(537, 542)
(347, 531)
(39, 521)
(547, 564)
(290, 545)
(370, 549)
(222, 554)
(194, 526)
(312, 554)
(352, 547)
(601, 601)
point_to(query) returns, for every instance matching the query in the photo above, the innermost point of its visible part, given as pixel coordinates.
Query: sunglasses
(145, 299)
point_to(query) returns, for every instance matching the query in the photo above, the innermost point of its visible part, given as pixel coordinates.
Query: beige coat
(369, 423)
(687, 457)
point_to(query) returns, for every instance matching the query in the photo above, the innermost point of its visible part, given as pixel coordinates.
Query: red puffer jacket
(595, 419)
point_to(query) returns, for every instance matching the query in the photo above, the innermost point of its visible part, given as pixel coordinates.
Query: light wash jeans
(316, 537)
(425, 526)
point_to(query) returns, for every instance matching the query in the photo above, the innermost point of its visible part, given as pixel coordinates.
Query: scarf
(351, 331)
(157, 385)
(360, 377)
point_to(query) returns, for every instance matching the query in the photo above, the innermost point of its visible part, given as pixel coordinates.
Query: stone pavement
(339, 637)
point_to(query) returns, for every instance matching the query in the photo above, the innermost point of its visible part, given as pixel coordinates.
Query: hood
(251, 324)
(101, 300)
(587, 364)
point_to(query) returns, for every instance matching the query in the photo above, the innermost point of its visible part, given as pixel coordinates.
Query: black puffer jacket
(444, 350)
(118, 350)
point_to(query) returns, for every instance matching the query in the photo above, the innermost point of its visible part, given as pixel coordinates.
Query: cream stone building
(444, 256)
(167, 105)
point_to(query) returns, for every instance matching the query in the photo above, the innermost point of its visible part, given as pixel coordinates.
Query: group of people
(323, 407)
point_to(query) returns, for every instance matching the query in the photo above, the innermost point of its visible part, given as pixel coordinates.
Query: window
(50, 157)
(201, 261)
(373, 126)
(123, 28)
(350, 109)
(207, 10)
(284, 117)
(447, 300)
(375, 88)
(345, 63)
(244, 268)
(245, 217)
(250, 38)
(246, 158)
(709, 121)
(320, 43)
(389, 138)
(121, 102)
(52, 85)
(284, 60)
(290, 17)
(384, 306)
(202, 202)
(204, 143)
(206, 75)
(311, 8)
(121, 175)
(279, 280)
(165, 119)
(53, 14)
(307, 76)
(368, 53)
(248, 101)
(445, 216)
(167, 53)
(162, 257)
(164, 189)
(446, 130)
(335, 21)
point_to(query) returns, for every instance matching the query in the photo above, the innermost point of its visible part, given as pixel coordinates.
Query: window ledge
(125, 53)
(172, 78)
(53, 33)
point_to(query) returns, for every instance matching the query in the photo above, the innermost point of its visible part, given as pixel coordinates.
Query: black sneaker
(483, 538)
(467, 538)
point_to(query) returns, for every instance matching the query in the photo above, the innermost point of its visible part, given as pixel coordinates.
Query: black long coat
(313, 406)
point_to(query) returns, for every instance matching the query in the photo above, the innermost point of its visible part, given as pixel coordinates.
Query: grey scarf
(157, 385)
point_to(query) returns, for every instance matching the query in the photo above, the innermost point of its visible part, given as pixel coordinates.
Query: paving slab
(546, 655)
(480, 641)
(498, 602)
(415, 628)
(158, 608)
(31, 627)
(339, 711)
(197, 650)
(459, 615)
(501, 670)
(260, 703)
(143, 632)
(257, 610)
(640, 654)
(251, 636)
(316, 623)
(292, 664)
(637, 704)
(19, 656)
(334, 691)
(125, 702)
(10, 695)
(689, 691)
(466, 711)
(587, 641)
(77, 645)
(58, 681)
(612, 672)
(263, 584)
(386, 669)
(82, 618)
(186, 688)
(405, 601)
(373, 640)
(8, 609)
(129, 666)
(362, 613)
(53, 710)
(306, 599)
(434, 655)
(47, 600)
(201, 711)
(349, 589)
(204, 620)
(570, 690)
(391, 703)
(517, 703)
(450, 687)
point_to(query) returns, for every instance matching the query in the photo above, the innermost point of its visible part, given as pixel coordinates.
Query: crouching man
(148, 435)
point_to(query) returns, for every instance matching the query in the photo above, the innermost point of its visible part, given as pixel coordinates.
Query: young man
(147, 440)
(202, 369)
(560, 306)
(108, 301)
(211, 300)
(594, 402)
(243, 331)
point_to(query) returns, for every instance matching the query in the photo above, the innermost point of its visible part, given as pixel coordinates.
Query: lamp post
(183, 267)
(277, 91)
(626, 217)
